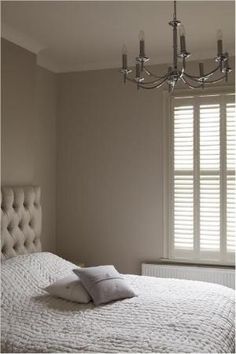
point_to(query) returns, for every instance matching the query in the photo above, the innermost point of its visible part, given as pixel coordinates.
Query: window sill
(188, 262)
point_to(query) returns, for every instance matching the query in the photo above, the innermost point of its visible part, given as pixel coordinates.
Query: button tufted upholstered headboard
(21, 221)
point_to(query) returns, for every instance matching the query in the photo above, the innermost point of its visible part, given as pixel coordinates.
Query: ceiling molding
(164, 60)
(21, 39)
(44, 60)
(30, 44)
(83, 35)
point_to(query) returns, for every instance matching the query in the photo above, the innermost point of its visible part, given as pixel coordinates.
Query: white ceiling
(85, 35)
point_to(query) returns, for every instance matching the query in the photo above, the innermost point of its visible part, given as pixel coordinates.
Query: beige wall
(109, 158)
(109, 206)
(29, 129)
(109, 170)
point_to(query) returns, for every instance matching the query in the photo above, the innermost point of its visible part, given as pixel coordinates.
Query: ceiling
(87, 35)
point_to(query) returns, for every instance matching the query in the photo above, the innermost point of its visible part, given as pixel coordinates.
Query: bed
(168, 315)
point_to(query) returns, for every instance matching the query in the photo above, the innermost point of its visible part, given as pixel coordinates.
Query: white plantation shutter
(183, 177)
(231, 186)
(202, 178)
(209, 147)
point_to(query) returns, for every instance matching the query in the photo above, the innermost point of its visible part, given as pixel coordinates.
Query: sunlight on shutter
(231, 200)
(209, 212)
(183, 138)
(210, 183)
(183, 182)
(202, 171)
(183, 212)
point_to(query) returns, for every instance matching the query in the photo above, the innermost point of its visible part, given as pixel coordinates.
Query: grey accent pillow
(69, 288)
(104, 284)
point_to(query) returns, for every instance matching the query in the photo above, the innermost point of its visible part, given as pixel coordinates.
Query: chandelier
(146, 79)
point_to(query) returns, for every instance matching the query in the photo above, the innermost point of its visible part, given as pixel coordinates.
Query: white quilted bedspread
(167, 316)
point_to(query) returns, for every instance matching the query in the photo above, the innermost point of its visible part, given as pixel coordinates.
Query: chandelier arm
(197, 81)
(153, 83)
(204, 76)
(216, 80)
(154, 86)
(148, 72)
(206, 82)
(190, 85)
(131, 80)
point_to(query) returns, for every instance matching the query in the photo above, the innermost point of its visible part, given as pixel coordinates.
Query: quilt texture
(167, 316)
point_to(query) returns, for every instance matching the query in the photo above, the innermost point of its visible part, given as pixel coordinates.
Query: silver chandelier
(176, 73)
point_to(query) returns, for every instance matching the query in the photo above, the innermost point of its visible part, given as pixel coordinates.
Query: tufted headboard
(21, 221)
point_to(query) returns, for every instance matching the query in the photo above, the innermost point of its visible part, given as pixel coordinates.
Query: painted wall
(109, 170)
(105, 174)
(29, 130)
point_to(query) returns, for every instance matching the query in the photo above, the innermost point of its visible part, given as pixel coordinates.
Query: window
(201, 170)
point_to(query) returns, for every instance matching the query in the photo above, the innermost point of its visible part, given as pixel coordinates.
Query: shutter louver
(203, 188)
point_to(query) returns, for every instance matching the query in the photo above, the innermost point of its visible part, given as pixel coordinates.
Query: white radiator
(223, 276)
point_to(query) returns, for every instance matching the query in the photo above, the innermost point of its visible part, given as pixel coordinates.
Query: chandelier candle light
(175, 73)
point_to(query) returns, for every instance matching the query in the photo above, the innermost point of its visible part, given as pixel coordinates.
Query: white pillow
(104, 284)
(69, 288)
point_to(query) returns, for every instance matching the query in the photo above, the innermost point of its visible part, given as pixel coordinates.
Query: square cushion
(104, 284)
(69, 288)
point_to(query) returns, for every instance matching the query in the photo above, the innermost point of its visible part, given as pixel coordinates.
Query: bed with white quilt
(166, 316)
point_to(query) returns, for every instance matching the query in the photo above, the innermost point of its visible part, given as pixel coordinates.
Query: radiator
(223, 276)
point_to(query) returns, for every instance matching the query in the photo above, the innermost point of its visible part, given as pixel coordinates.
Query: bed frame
(21, 221)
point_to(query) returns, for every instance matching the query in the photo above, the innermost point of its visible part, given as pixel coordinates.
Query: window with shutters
(201, 178)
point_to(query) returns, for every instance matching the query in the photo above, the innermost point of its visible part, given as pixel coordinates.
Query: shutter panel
(231, 214)
(183, 179)
(209, 212)
(230, 127)
(183, 212)
(210, 137)
(209, 177)
(183, 138)
(231, 200)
